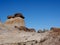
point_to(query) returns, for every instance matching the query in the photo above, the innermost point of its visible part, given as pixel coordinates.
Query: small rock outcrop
(19, 15)
(32, 30)
(16, 15)
(9, 17)
(55, 29)
(23, 28)
(15, 20)
(39, 31)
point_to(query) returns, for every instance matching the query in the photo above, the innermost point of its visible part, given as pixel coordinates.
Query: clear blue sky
(39, 14)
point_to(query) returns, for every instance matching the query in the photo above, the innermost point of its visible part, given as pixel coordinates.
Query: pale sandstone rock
(29, 38)
(11, 35)
(15, 22)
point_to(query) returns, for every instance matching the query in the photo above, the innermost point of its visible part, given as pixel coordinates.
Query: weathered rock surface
(23, 28)
(15, 37)
(15, 22)
(16, 15)
(14, 32)
(55, 29)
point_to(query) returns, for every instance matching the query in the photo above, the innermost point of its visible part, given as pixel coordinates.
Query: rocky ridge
(13, 33)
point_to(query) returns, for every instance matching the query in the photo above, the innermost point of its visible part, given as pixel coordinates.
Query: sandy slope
(12, 36)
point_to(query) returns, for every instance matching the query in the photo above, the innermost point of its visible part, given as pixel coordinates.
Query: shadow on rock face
(23, 28)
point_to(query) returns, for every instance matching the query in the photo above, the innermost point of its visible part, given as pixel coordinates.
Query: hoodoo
(15, 20)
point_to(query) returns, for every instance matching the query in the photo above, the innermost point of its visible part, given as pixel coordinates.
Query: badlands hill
(14, 32)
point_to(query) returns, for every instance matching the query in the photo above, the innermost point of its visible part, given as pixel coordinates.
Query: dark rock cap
(19, 15)
(9, 17)
(16, 15)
